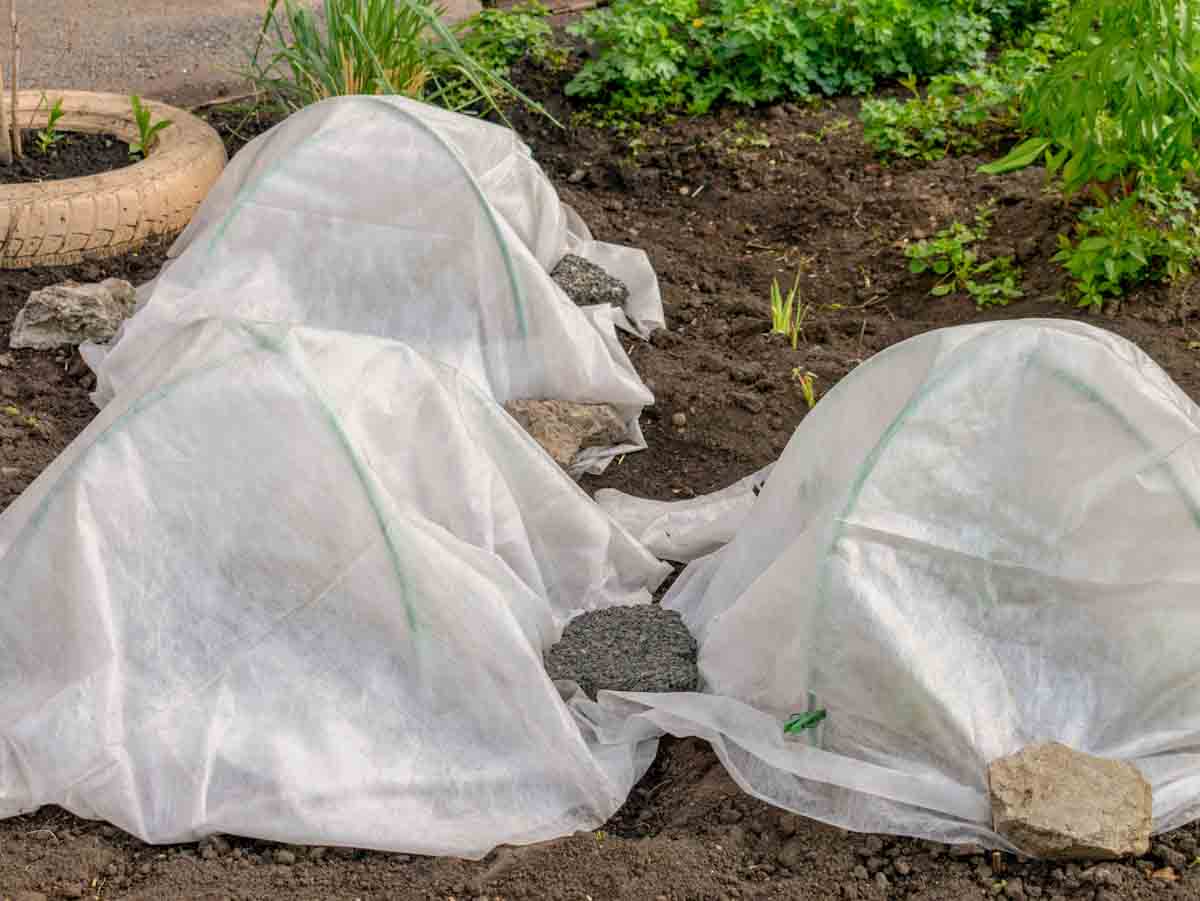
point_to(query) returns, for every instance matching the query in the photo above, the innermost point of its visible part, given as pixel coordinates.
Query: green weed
(951, 255)
(1146, 236)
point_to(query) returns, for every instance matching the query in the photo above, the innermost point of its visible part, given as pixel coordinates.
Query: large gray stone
(638, 648)
(71, 313)
(564, 428)
(1057, 803)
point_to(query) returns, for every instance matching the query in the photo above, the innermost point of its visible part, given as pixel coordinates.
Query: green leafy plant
(951, 255)
(787, 316)
(1123, 106)
(371, 47)
(970, 109)
(959, 113)
(654, 55)
(147, 129)
(1146, 236)
(50, 135)
(498, 39)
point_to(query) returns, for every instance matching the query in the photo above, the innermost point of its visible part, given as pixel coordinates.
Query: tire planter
(64, 222)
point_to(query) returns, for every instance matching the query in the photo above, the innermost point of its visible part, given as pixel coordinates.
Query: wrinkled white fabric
(387, 217)
(981, 538)
(297, 584)
(689, 529)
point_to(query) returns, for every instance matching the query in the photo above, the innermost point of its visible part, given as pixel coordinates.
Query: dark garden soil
(75, 154)
(721, 208)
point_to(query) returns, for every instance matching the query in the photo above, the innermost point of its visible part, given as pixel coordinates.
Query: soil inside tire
(74, 155)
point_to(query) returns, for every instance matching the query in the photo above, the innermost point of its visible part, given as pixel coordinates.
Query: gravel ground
(641, 648)
(586, 283)
(181, 51)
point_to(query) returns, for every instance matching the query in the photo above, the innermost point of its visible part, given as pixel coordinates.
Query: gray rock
(285, 857)
(1056, 803)
(564, 428)
(639, 648)
(587, 284)
(71, 313)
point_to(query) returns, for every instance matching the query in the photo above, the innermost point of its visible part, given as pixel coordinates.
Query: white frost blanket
(982, 538)
(297, 584)
(387, 217)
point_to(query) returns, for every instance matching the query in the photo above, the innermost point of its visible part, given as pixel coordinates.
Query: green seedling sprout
(50, 135)
(147, 130)
(805, 380)
(787, 318)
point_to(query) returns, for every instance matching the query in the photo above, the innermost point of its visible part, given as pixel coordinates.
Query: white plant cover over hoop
(387, 217)
(982, 538)
(297, 584)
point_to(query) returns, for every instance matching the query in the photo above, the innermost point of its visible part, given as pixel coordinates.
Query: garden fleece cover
(388, 217)
(297, 584)
(981, 538)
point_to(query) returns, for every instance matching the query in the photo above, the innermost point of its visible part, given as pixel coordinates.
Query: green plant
(1146, 236)
(50, 135)
(787, 317)
(498, 39)
(654, 55)
(951, 255)
(147, 129)
(371, 47)
(1123, 106)
(805, 380)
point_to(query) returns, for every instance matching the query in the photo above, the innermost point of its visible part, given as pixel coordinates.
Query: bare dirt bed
(721, 208)
(74, 155)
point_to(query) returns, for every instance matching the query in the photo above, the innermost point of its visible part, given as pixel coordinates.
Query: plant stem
(6, 156)
(16, 77)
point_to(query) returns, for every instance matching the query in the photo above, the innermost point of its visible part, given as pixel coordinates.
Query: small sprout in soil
(805, 380)
(50, 135)
(147, 130)
(787, 317)
(799, 722)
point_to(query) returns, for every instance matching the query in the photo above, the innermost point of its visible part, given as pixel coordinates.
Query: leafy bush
(498, 39)
(370, 47)
(653, 55)
(1125, 103)
(1146, 236)
(950, 254)
(965, 111)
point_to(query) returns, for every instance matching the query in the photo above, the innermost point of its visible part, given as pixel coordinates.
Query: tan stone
(1057, 803)
(564, 428)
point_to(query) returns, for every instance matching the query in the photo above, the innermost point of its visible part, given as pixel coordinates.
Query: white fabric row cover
(297, 584)
(387, 217)
(982, 538)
